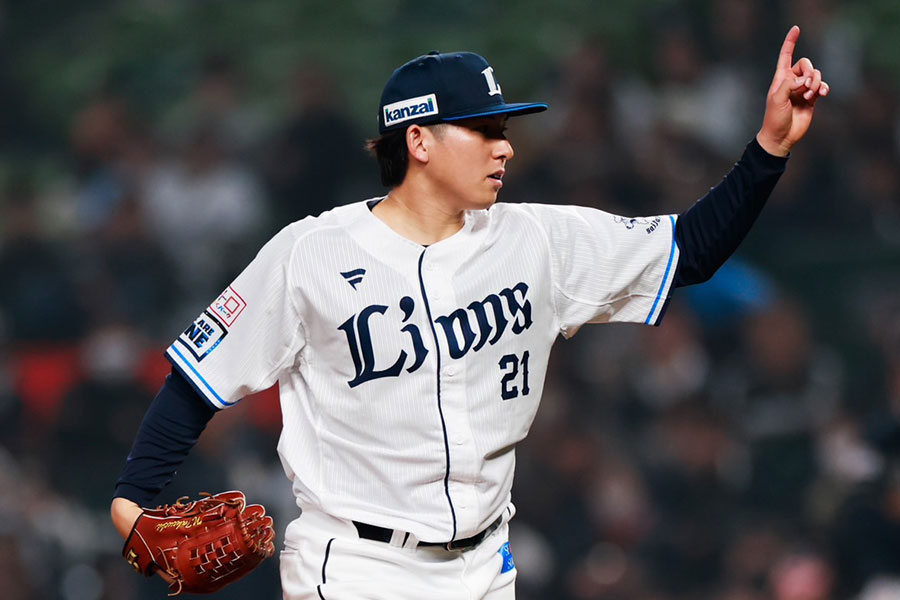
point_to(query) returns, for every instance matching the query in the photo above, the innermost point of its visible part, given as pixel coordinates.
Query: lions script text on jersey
(430, 361)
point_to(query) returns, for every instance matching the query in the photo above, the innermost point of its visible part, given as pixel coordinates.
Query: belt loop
(397, 538)
(411, 541)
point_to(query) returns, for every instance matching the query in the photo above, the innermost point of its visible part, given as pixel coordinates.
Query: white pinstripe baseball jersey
(408, 374)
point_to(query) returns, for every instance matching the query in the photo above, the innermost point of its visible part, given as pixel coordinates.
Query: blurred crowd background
(747, 449)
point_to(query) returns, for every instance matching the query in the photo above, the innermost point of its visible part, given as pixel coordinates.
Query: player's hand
(124, 514)
(791, 99)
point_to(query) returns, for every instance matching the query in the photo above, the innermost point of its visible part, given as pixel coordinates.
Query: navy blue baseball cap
(439, 88)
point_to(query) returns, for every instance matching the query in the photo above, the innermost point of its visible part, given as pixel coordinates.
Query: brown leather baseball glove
(202, 545)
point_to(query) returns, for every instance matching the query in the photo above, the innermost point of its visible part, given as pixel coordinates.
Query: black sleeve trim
(710, 231)
(171, 427)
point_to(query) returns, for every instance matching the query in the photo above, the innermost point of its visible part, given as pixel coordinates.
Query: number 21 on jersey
(509, 384)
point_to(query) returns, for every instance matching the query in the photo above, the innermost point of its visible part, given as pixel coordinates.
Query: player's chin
(485, 203)
(486, 200)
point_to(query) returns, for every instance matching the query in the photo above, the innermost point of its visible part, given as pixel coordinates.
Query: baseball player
(410, 334)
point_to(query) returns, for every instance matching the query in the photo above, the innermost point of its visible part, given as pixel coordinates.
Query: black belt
(381, 534)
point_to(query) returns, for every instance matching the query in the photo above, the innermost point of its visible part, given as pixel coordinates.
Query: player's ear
(418, 140)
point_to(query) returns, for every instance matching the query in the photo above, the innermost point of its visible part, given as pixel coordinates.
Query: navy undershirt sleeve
(710, 231)
(171, 427)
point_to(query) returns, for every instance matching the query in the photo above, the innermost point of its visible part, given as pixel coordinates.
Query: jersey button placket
(463, 466)
(431, 291)
(462, 450)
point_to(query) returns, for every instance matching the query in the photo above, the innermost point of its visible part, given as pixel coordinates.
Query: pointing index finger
(786, 56)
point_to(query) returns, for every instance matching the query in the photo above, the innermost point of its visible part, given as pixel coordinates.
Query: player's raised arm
(791, 99)
(711, 230)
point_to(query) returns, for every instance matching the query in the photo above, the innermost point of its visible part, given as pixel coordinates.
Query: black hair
(390, 151)
(392, 155)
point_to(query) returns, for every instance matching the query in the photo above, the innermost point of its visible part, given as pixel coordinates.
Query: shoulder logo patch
(354, 277)
(228, 306)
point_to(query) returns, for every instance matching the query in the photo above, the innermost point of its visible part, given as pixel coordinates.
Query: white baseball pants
(325, 559)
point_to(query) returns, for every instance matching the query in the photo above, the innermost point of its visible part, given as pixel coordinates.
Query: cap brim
(513, 110)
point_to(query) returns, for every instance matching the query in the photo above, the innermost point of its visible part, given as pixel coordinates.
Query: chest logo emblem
(354, 277)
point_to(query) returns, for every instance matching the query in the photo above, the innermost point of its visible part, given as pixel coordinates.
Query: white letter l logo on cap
(493, 86)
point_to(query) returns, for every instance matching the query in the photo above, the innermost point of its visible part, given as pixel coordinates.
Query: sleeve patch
(203, 335)
(648, 224)
(228, 306)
